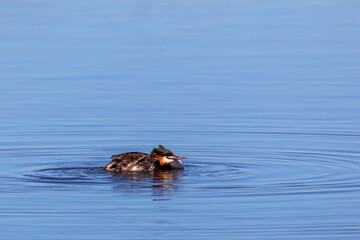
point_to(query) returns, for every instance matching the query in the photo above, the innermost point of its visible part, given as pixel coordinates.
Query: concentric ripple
(296, 172)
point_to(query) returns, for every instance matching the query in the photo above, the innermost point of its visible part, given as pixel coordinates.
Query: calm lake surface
(263, 97)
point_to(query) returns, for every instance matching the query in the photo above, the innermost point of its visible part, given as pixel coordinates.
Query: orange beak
(179, 158)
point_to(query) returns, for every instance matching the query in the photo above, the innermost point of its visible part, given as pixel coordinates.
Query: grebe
(159, 158)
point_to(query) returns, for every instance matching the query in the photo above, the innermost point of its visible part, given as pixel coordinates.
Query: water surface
(263, 97)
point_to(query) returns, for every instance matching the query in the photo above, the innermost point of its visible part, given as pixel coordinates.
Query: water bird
(160, 158)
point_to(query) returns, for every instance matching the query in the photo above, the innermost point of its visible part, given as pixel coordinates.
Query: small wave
(290, 172)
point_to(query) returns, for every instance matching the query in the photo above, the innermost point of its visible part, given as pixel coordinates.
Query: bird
(160, 158)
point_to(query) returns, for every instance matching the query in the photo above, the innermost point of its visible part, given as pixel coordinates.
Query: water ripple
(291, 172)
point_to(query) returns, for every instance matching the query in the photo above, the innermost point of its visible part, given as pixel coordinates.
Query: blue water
(263, 97)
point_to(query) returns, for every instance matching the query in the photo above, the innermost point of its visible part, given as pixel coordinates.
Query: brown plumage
(159, 158)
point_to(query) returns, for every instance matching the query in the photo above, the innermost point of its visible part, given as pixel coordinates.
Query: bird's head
(167, 158)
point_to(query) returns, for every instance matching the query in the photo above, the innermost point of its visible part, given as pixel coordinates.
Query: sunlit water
(263, 97)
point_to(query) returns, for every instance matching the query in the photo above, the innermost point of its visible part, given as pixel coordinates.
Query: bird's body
(159, 158)
(132, 161)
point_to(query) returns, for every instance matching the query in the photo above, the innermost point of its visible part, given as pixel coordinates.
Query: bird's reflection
(162, 182)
